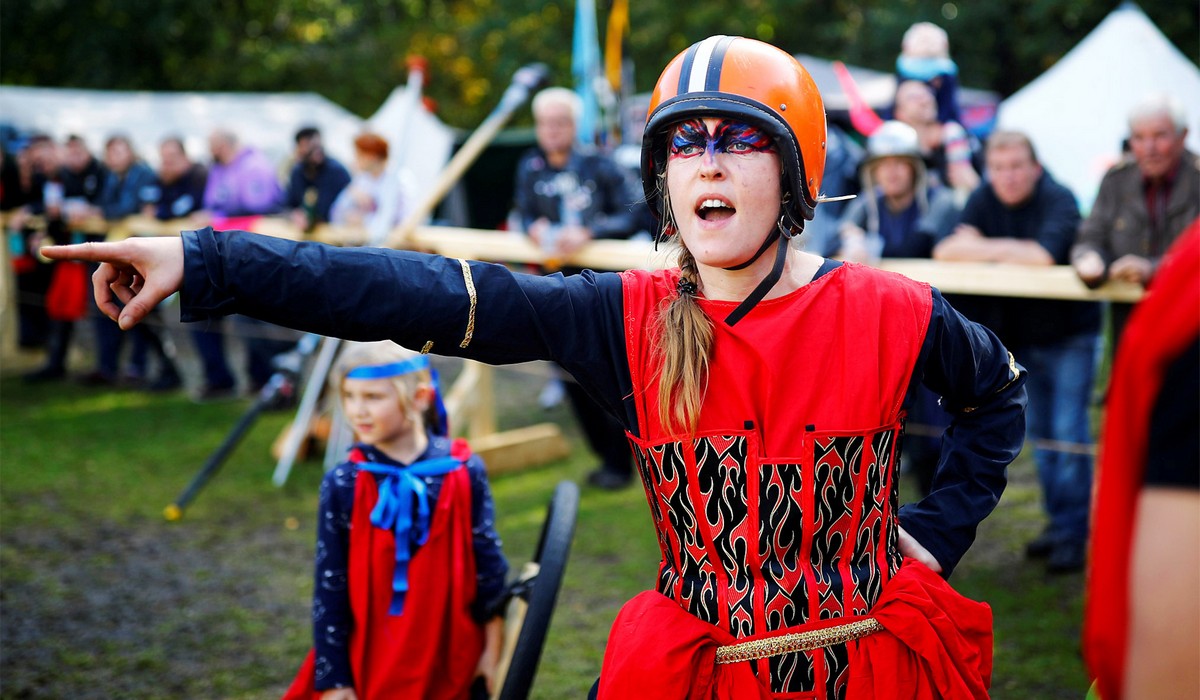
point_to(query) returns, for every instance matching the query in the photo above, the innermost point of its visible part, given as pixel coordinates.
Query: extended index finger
(91, 252)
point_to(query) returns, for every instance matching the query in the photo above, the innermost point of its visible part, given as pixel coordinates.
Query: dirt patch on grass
(101, 609)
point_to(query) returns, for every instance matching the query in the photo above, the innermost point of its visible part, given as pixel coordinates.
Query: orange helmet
(728, 76)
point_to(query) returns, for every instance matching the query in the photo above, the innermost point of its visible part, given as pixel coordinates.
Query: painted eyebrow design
(729, 133)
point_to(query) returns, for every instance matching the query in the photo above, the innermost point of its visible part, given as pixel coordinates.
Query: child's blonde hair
(385, 352)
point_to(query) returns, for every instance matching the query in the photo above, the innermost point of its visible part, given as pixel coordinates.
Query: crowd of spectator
(54, 192)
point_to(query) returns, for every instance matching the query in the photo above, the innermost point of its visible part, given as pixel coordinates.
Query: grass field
(100, 597)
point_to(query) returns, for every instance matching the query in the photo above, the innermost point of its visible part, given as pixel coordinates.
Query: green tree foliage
(355, 52)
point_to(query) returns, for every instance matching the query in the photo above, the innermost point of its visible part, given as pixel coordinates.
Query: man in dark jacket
(1022, 216)
(565, 197)
(315, 182)
(180, 182)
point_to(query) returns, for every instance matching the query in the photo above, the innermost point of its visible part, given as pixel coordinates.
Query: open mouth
(714, 210)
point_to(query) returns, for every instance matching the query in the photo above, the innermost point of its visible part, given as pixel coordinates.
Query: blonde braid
(685, 340)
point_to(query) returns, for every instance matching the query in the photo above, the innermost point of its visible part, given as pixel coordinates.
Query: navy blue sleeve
(491, 568)
(331, 614)
(480, 311)
(983, 389)
(1173, 449)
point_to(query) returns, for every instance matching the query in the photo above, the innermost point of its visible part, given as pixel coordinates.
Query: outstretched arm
(137, 272)
(429, 303)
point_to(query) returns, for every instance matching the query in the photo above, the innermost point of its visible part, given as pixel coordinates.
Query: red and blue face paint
(692, 138)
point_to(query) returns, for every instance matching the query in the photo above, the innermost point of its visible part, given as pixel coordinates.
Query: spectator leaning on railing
(180, 182)
(1143, 204)
(314, 183)
(377, 197)
(241, 182)
(1022, 216)
(128, 186)
(63, 183)
(900, 214)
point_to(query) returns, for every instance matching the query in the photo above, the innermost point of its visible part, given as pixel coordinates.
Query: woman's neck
(735, 285)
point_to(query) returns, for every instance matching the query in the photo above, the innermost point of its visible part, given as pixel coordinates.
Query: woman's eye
(685, 148)
(739, 147)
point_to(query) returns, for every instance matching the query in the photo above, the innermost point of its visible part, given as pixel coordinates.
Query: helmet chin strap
(782, 237)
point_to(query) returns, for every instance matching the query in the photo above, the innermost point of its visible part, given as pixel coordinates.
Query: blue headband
(396, 369)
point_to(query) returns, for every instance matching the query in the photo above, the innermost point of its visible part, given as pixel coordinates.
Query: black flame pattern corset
(817, 542)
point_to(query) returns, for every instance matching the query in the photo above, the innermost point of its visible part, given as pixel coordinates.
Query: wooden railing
(989, 279)
(472, 397)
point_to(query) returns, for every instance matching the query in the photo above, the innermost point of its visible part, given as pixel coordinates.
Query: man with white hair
(566, 196)
(1144, 203)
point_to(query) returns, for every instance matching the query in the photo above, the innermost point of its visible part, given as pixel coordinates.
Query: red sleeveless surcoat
(780, 511)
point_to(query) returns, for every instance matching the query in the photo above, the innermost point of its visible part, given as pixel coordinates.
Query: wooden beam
(989, 279)
(513, 450)
(1006, 280)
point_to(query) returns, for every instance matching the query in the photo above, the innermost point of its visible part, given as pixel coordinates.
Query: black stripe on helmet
(685, 71)
(712, 81)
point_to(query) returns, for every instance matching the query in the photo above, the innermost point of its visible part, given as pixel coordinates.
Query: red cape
(1160, 327)
(429, 652)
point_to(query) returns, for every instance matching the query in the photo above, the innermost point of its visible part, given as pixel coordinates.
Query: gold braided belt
(797, 641)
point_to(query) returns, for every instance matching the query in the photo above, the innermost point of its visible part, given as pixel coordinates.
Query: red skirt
(934, 644)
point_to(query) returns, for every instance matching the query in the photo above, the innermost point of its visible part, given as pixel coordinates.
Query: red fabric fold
(1160, 327)
(935, 643)
(657, 650)
(430, 651)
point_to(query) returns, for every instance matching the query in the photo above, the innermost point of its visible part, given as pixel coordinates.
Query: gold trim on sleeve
(1016, 374)
(426, 347)
(470, 283)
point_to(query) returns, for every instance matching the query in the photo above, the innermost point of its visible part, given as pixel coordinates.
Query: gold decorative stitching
(798, 641)
(1016, 374)
(470, 282)
(426, 347)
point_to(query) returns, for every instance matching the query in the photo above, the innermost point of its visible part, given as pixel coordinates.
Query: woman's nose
(710, 164)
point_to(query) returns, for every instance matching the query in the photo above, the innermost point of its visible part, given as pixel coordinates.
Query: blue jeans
(210, 346)
(1060, 382)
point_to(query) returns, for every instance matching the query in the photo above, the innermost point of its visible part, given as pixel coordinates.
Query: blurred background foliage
(355, 52)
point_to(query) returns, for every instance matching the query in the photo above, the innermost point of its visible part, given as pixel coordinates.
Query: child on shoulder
(408, 563)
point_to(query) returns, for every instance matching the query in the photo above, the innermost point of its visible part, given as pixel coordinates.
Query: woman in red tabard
(763, 388)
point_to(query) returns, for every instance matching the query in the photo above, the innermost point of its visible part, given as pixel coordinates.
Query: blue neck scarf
(403, 507)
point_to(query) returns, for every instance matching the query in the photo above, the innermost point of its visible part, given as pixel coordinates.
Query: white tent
(419, 142)
(267, 121)
(1076, 111)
